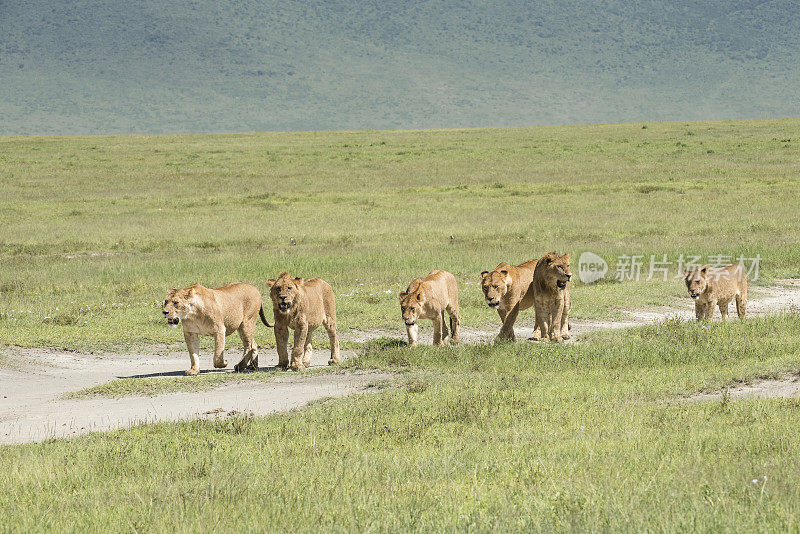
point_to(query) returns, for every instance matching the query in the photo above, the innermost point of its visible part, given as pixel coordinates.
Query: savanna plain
(598, 434)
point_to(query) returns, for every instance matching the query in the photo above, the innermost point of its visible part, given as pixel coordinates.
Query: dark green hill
(90, 66)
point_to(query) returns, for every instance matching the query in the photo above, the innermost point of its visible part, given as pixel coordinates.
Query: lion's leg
(437, 330)
(699, 311)
(308, 350)
(723, 310)
(248, 350)
(412, 332)
(502, 313)
(281, 342)
(537, 329)
(542, 316)
(710, 309)
(193, 344)
(333, 338)
(219, 349)
(741, 305)
(445, 329)
(299, 347)
(557, 311)
(455, 321)
(565, 324)
(507, 330)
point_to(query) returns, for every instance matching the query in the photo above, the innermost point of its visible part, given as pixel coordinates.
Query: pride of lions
(303, 305)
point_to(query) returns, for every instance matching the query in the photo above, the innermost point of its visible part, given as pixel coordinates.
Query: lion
(302, 305)
(551, 297)
(508, 290)
(430, 298)
(218, 313)
(710, 287)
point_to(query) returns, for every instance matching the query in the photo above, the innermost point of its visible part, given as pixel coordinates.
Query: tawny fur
(309, 303)
(551, 297)
(430, 298)
(717, 287)
(508, 289)
(218, 313)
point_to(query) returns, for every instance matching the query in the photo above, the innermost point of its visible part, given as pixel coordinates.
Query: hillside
(196, 66)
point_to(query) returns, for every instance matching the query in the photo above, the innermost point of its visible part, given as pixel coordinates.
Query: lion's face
(559, 268)
(696, 281)
(495, 285)
(177, 305)
(285, 291)
(411, 306)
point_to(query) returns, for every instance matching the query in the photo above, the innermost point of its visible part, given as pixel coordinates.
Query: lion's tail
(263, 318)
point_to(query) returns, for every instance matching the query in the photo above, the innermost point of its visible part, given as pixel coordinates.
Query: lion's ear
(484, 274)
(172, 291)
(704, 270)
(509, 280)
(402, 295)
(270, 282)
(548, 259)
(299, 281)
(189, 292)
(419, 297)
(566, 256)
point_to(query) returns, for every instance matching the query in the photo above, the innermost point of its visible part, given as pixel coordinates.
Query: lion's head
(557, 269)
(495, 285)
(411, 301)
(178, 305)
(284, 291)
(696, 280)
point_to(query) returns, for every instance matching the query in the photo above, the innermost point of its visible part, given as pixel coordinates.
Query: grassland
(93, 230)
(597, 435)
(594, 436)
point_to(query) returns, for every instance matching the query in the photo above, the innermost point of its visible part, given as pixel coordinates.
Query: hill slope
(194, 65)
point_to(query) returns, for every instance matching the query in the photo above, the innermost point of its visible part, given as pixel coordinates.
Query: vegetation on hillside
(96, 67)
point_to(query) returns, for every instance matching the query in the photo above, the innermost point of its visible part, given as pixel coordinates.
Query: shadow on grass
(169, 374)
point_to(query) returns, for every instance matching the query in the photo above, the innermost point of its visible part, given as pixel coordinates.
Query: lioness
(711, 287)
(429, 298)
(302, 305)
(216, 312)
(551, 296)
(508, 290)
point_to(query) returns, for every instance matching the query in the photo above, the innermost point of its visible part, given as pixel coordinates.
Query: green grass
(595, 435)
(521, 437)
(94, 230)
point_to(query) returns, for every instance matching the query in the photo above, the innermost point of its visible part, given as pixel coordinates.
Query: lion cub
(551, 297)
(711, 287)
(216, 312)
(508, 290)
(302, 305)
(429, 298)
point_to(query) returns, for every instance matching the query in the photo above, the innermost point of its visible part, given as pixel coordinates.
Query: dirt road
(32, 407)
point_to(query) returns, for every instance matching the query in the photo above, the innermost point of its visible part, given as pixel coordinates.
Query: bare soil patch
(788, 387)
(33, 407)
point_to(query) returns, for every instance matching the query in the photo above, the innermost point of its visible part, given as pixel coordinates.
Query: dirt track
(32, 407)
